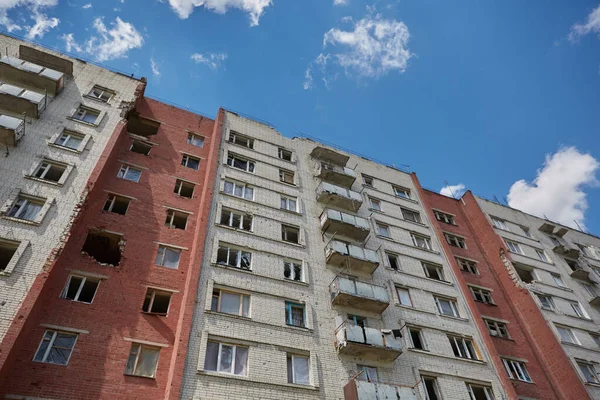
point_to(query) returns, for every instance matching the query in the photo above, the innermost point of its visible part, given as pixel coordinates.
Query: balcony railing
(11, 130)
(359, 295)
(358, 389)
(336, 174)
(30, 75)
(339, 196)
(352, 257)
(21, 101)
(329, 155)
(368, 343)
(342, 224)
(566, 251)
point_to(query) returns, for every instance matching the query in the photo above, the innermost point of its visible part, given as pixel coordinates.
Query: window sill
(290, 211)
(154, 313)
(454, 318)
(183, 197)
(247, 379)
(82, 122)
(518, 380)
(423, 351)
(33, 178)
(592, 384)
(483, 302)
(57, 146)
(438, 281)
(22, 221)
(516, 234)
(376, 211)
(300, 328)
(503, 338)
(415, 223)
(531, 258)
(140, 376)
(87, 96)
(414, 309)
(289, 184)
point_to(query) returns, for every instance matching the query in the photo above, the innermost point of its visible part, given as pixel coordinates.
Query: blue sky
(482, 94)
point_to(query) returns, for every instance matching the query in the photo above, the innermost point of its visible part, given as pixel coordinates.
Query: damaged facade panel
(104, 247)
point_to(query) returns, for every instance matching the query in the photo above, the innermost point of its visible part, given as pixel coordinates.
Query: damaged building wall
(158, 264)
(42, 238)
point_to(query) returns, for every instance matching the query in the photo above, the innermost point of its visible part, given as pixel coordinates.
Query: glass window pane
(171, 258)
(226, 361)
(241, 361)
(301, 370)
(246, 306)
(230, 303)
(212, 353)
(147, 362)
(130, 367)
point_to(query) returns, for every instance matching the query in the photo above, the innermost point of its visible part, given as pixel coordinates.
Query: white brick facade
(45, 235)
(585, 349)
(265, 332)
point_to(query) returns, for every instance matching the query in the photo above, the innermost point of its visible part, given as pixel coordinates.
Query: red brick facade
(114, 319)
(530, 337)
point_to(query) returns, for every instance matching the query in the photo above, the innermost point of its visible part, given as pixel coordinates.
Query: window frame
(287, 201)
(407, 291)
(383, 227)
(444, 217)
(233, 157)
(389, 256)
(240, 253)
(80, 117)
(426, 240)
(497, 326)
(542, 255)
(487, 390)
(292, 268)
(500, 224)
(579, 310)
(550, 301)
(517, 247)
(292, 357)
(103, 91)
(284, 174)
(484, 294)
(141, 143)
(282, 151)
(172, 214)
(69, 134)
(153, 292)
(233, 138)
(192, 137)
(419, 333)
(558, 278)
(21, 206)
(472, 269)
(435, 386)
(84, 279)
(366, 374)
(179, 183)
(124, 170)
(289, 320)
(519, 370)
(48, 165)
(185, 161)
(366, 179)
(569, 334)
(416, 214)
(234, 350)
(242, 218)
(244, 188)
(591, 370)
(439, 270)
(455, 240)
(465, 347)
(375, 204)
(401, 192)
(140, 347)
(453, 306)
(112, 201)
(241, 302)
(51, 342)
(286, 230)
(166, 247)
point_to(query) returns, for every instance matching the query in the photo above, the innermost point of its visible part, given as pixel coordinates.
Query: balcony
(342, 224)
(29, 75)
(336, 174)
(358, 389)
(338, 196)
(358, 295)
(566, 251)
(368, 343)
(577, 271)
(20, 101)
(595, 301)
(329, 155)
(11, 130)
(355, 258)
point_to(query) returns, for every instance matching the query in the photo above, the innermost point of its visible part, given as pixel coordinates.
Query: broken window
(383, 230)
(527, 275)
(100, 93)
(286, 176)
(447, 218)
(116, 204)
(167, 257)
(447, 307)
(230, 303)
(129, 173)
(290, 234)
(415, 337)
(242, 140)
(433, 271)
(294, 314)
(573, 264)
(238, 190)
(80, 288)
(467, 265)
(401, 192)
(26, 208)
(285, 154)
(516, 370)
(195, 140)
(432, 391)
(190, 162)
(292, 270)
(368, 373)
(142, 360)
(480, 392)
(497, 328)
(103, 246)
(481, 295)
(142, 126)
(176, 219)
(463, 347)
(87, 115)
(393, 261)
(184, 188)
(7, 251)
(70, 139)
(234, 257)
(56, 347)
(156, 301)
(140, 147)
(455, 241)
(240, 163)
(367, 180)
(236, 220)
(410, 215)
(50, 171)
(298, 369)
(226, 358)
(422, 242)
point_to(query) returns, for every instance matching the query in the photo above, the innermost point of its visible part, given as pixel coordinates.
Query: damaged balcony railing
(339, 196)
(369, 343)
(358, 295)
(335, 174)
(351, 256)
(28, 74)
(351, 226)
(362, 389)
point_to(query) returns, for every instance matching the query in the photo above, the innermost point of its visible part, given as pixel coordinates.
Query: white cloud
(308, 79)
(33, 8)
(213, 60)
(70, 43)
(42, 25)
(455, 191)
(86, 6)
(255, 8)
(111, 43)
(591, 25)
(340, 2)
(557, 190)
(373, 47)
(154, 67)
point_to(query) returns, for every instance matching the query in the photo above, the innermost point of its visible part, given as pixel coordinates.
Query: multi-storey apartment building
(113, 315)
(524, 349)
(57, 115)
(559, 269)
(323, 278)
